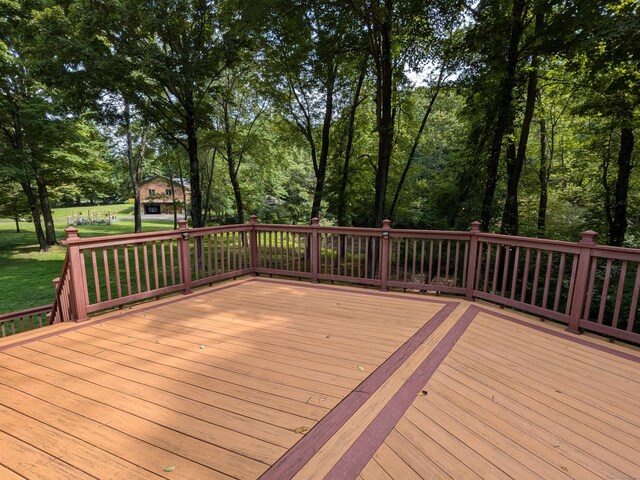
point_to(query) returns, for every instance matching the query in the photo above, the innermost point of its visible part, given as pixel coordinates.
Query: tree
(13, 204)
(168, 56)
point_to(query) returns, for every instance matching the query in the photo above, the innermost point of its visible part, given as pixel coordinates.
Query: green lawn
(26, 274)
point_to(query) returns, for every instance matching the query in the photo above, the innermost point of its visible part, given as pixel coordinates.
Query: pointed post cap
(182, 224)
(72, 232)
(588, 237)
(386, 224)
(253, 219)
(475, 226)
(315, 221)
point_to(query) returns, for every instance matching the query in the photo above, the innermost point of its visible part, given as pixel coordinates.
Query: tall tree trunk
(510, 217)
(17, 220)
(505, 115)
(231, 163)
(416, 141)
(619, 224)
(45, 209)
(321, 171)
(184, 190)
(207, 200)
(194, 162)
(543, 175)
(135, 170)
(384, 109)
(35, 214)
(344, 181)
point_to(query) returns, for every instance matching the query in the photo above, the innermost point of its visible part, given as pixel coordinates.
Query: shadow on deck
(274, 379)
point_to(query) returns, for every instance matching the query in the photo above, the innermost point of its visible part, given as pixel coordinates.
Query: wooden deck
(273, 379)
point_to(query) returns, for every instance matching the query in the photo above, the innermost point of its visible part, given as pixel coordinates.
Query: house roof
(175, 181)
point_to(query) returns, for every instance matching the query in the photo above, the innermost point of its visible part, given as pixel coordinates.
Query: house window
(169, 192)
(152, 192)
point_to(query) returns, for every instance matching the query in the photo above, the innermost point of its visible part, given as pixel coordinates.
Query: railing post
(76, 276)
(473, 258)
(185, 256)
(384, 255)
(314, 253)
(253, 244)
(587, 241)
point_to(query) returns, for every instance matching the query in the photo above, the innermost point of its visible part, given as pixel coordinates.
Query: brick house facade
(157, 194)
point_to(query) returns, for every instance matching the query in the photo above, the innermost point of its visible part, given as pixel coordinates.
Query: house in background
(157, 196)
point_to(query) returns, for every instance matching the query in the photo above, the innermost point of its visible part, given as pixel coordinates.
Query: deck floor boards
(229, 382)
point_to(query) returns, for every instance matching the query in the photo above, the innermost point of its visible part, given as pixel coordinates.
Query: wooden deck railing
(24, 320)
(585, 285)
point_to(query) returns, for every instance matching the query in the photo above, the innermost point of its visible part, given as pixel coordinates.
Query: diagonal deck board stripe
(302, 451)
(363, 449)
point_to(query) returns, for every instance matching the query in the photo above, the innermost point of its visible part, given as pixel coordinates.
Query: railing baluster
(145, 259)
(547, 280)
(230, 251)
(496, 268)
(589, 297)
(621, 281)
(163, 255)
(235, 250)
(525, 276)
(479, 264)
(116, 266)
(514, 279)
(96, 279)
(172, 263)
(107, 276)
(456, 264)
(209, 270)
(572, 281)
(127, 271)
(605, 291)
(438, 276)
(487, 266)
(154, 256)
(536, 277)
(430, 262)
(556, 300)
(414, 243)
(406, 259)
(446, 271)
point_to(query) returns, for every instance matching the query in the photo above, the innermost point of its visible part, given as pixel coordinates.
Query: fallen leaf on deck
(423, 393)
(170, 468)
(201, 347)
(301, 430)
(361, 368)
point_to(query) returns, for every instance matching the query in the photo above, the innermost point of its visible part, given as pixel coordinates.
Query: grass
(26, 274)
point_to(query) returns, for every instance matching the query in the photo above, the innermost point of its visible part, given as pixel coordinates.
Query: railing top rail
(4, 317)
(440, 234)
(617, 253)
(122, 239)
(266, 227)
(238, 227)
(570, 247)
